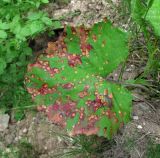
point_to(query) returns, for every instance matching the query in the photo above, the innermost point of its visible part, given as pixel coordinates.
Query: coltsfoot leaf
(68, 82)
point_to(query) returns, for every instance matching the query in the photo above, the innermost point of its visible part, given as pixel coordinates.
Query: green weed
(22, 149)
(144, 21)
(84, 146)
(19, 22)
(153, 151)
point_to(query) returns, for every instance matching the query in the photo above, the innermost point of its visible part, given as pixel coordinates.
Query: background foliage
(19, 21)
(146, 16)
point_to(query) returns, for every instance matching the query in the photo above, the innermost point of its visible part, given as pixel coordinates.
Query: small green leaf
(2, 65)
(36, 27)
(4, 26)
(37, 4)
(19, 115)
(7, 1)
(57, 25)
(24, 32)
(44, 1)
(47, 21)
(3, 34)
(35, 15)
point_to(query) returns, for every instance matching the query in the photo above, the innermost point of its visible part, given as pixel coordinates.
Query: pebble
(8, 150)
(144, 107)
(139, 127)
(135, 117)
(2, 146)
(9, 138)
(25, 130)
(16, 139)
(4, 120)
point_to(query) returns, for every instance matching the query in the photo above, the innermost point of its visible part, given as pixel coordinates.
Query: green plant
(10, 152)
(84, 146)
(145, 14)
(153, 150)
(153, 15)
(20, 21)
(22, 149)
(144, 37)
(26, 150)
(70, 79)
(61, 2)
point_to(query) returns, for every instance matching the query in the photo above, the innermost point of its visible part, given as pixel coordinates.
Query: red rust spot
(68, 86)
(110, 96)
(74, 60)
(83, 94)
(94, 37)
(105, 19)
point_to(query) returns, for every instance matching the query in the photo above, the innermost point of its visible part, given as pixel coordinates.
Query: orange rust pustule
(68, 86)
(45, 90)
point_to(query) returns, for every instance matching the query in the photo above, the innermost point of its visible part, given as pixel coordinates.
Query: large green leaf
(70, 79)
(4, 26)
(153, 16)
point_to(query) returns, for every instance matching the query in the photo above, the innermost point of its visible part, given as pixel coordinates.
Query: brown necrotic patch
(87, 123)
(74, 60)
(59, 48)
(46, 90)
(94, 37)
(41, 91)
(68, 86)
(84, 45)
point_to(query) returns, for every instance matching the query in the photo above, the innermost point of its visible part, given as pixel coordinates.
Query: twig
(129, 84)
(153, 108)
(142, 137)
